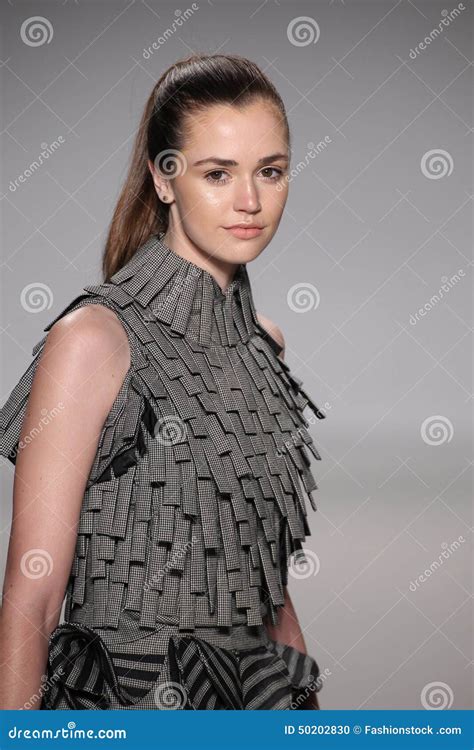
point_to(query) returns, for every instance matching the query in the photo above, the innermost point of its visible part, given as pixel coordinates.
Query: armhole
(13, 412)
(103, 302)
(269, 339)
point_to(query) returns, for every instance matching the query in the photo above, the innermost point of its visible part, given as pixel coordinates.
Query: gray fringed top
(197, 494)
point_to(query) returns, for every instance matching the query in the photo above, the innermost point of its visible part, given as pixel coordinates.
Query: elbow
(26, 599)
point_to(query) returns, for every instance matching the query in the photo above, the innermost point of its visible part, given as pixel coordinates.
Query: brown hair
(188, 86)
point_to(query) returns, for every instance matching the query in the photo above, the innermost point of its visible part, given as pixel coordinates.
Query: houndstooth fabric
(196, 498)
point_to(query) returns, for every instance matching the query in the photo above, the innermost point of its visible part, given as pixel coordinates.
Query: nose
(246, 197)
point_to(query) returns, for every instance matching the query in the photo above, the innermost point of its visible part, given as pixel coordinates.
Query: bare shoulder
(94, 328)
(89, 346)
(80, 371)
(274, 331)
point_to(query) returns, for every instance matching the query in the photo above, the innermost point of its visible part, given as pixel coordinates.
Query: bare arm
(288, 631)
(82, 367)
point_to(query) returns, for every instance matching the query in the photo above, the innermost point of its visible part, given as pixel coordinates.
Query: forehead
(255, 130)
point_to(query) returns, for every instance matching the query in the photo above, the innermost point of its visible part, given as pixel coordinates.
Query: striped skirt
(240, 668)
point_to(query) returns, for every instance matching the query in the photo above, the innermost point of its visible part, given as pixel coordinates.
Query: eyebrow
(232, 163)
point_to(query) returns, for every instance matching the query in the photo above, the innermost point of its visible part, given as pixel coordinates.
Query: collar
(187, 298)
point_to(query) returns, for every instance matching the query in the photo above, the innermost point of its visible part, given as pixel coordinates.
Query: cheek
(207, 196)
(276, 202)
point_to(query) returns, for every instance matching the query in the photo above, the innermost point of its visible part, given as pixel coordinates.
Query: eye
(276, 177)
(214, 176)
(210, 178)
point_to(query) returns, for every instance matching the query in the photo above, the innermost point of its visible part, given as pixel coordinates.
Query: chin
(244, 251)
(241, 255)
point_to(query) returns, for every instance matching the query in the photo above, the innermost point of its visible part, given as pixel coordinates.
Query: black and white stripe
(190, 674)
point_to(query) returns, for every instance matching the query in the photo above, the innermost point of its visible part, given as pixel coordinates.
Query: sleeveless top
(197, 496)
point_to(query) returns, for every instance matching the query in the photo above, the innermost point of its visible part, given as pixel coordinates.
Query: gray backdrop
(377, 228)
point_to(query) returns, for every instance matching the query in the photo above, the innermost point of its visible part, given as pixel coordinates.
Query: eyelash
(223, 182)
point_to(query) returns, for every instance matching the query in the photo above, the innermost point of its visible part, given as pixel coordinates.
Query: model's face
(237, 162)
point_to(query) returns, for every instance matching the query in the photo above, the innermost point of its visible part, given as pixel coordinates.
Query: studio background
(378, 226)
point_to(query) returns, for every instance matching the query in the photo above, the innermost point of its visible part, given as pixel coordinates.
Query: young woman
(162, 465)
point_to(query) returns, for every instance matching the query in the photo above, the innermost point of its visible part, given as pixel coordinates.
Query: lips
(245, 226)
(245, 232)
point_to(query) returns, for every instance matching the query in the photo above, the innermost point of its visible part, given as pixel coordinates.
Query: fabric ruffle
(197, 497)
(269, 677)
(194, 675)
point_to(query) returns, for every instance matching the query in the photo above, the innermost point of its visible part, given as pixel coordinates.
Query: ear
(162, 185)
